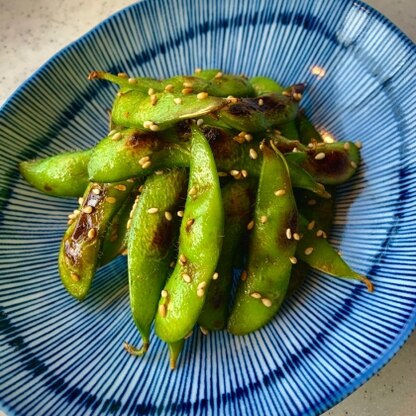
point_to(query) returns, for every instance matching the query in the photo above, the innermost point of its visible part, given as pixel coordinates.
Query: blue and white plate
(62, 357)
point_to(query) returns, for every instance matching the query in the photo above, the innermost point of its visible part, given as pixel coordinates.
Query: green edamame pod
(207, 74)
(151, 242)
(133, 108)
(261, 113)
(271, 250)
(265, 85)
(131, 152)
(297, 277)
(320, 255)
(63, 175)
(289, 130)
(307, 131)
(237, 198)
(200, 243)
(81, 246)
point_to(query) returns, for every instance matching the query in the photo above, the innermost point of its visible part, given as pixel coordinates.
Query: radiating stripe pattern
(62, 357)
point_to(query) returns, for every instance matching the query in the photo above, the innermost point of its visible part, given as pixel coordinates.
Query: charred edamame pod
(237, 199)
(272, 248)
(200, 243)
(63, 175)
(81, 246)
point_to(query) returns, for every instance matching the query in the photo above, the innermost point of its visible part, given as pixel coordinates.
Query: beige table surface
(33, 30)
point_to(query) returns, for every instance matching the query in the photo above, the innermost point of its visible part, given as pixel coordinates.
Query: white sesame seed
(311, 202)
(154, 127)
(260, 102)
(186, 278)
(263, 219)
(153, 99)
(121, 187)
(311, 225)
(293, 259)
(72, 216)
(200, 292)
(218, 75)
(159, 172)
(128, 225)
(193, 191)
(358, 144)
(124, 252)
(177, 100)
(320, 156)
(308, 251)
(253, 154)
(250, 225)
(296, 236)
(92, 233)
(295, 149)
(179, 214)
(234, 172)
(147, 164)
(77, 212)
(122, 75)
(297, 96)
(255, 295)
(111, 200)
(346, 146)
(75, 277)
(202, 95)
(169, 88)
(80, 200)
(162, 310)
(215, 276)
(144, 159)
(153, 210)
(266, 302)
(150, 91)
(131, 180)
(112, 132)
(244, 173)
(239, 139)
(186, 91)
(168, 216)
(147, 124)
(132, 81)
(319, 233)
(198, 70)
(248, 137)
(280, 192)
(353, 164)
(187, 84)
(288, 233)
(204, 330)
(87, 209)
(202, 285)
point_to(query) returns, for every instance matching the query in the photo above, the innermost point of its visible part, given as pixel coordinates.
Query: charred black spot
(84, 223)
(47, 188)
(213, 134)
(140, 139)
(291, 221)
(336, 163)
(162, 236)
(272, 102)
(241, 108)
(183, 129)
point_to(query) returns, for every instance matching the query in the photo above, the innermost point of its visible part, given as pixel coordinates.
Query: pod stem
(174, 351)
(131, 349)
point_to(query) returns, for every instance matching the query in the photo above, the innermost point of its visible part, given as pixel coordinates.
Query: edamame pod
(265, 85)
(272, 247)
(307, 131)
(63, 175)
(151, 242)
(237, 198)
(200, 243)
(320, 255)
(81, 246)
(131, 152)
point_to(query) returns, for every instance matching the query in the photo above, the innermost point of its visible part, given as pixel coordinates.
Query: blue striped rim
(331, 336)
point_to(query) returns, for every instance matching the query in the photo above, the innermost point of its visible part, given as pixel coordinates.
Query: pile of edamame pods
(200, 176)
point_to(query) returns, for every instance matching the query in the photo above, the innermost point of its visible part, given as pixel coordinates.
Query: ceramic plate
(61, 357)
